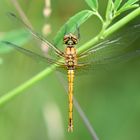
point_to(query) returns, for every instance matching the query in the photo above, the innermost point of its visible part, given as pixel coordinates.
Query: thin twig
(85, 120)
(80, 111)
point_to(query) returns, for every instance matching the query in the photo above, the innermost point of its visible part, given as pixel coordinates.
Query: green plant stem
(110, 30)
(17, 91)
(122, 22)
(7, 97)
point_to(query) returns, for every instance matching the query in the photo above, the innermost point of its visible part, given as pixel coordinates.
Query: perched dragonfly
(100, 54)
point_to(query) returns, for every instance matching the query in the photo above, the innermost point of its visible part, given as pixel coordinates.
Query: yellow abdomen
(70, 92)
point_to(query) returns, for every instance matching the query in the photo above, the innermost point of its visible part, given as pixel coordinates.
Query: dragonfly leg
(78, 31)
(60, 54)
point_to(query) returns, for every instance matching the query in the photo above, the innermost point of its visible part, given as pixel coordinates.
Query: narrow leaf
(19, 37)
(110, 8)
(130, 2)
(71, 25)
(93, 4)
(117, 4)
(128, 8)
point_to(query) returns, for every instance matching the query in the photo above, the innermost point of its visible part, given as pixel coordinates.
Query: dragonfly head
(70, 39)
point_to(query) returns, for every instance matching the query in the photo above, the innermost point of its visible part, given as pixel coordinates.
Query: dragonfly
(108, 51)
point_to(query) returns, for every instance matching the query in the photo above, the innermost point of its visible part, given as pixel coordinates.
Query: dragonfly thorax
(70, 39)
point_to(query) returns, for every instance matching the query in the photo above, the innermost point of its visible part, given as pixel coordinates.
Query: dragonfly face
(70, 39)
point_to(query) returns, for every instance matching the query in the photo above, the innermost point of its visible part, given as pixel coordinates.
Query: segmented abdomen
(70, 90)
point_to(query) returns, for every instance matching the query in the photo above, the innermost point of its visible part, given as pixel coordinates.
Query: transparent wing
(34, 55)
(36, 35)
(110, 53)
(111, 48)
(106, 63)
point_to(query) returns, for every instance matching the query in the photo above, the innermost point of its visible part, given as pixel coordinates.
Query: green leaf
(71, 25)
(110, 8)
(18, 37)
(128, 8)
(117, 4)
(93, 4)
(129, 3)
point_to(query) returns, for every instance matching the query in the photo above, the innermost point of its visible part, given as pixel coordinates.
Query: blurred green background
(110, 98)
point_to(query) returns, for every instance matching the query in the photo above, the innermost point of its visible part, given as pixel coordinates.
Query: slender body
(70, 62)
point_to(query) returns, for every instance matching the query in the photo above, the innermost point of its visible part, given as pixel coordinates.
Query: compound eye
(66, 37)
(74, 39)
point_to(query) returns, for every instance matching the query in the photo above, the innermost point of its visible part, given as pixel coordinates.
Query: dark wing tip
(10, 14)
(9, 44)
(5, 42)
